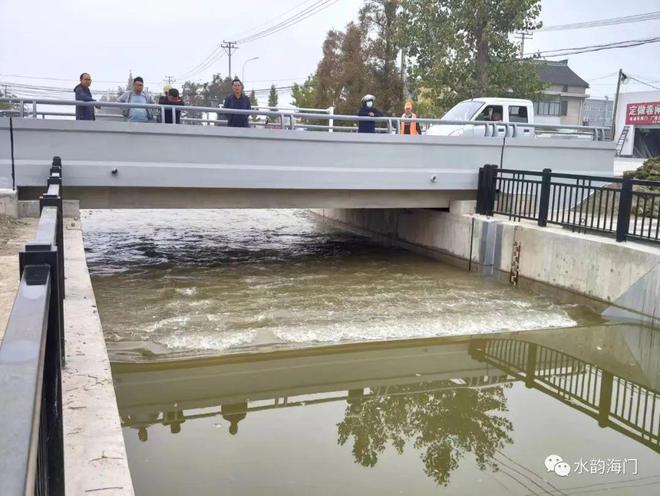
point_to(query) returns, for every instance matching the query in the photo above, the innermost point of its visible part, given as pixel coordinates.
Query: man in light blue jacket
(137, 95)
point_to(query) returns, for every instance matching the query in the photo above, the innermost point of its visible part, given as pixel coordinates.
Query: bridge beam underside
(126, 198)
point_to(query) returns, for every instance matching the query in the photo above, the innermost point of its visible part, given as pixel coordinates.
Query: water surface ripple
(193, 281)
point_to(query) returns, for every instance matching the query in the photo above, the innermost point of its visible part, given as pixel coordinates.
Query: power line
(644, 82)
(211, 58)
(604, 22)
(560, 52)
(293, 20)
(71, 80)
(248, 31)
(217, 53)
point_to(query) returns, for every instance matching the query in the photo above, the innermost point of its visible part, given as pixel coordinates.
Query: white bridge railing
(296, 119)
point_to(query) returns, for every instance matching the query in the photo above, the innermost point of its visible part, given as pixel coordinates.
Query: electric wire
(649, 16)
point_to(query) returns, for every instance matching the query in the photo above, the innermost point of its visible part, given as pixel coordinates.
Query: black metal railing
(627, 208)
(615, 402)
(31, 360)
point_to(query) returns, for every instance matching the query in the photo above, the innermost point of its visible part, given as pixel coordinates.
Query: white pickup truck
(487, 110)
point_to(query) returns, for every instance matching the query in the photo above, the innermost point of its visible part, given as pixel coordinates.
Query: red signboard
(643, 113)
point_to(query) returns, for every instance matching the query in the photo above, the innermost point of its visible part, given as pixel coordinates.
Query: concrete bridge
(154, 165)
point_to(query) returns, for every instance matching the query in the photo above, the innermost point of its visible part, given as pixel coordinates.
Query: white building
(639, 113)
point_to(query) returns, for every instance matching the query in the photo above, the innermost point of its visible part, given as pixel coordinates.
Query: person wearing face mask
(368, 110)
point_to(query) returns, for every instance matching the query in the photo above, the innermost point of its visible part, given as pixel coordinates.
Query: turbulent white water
(193, 281)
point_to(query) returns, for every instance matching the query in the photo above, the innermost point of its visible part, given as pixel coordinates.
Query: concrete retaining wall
(95, 459)
(623, 276)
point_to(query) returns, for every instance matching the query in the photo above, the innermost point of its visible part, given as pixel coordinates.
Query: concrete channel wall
(620, 277)
(95, 460)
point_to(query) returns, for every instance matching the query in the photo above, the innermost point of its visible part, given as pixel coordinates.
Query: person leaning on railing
(137, 95)
(172, 98)
(367, 109)
(83, 94)
(238, 101)
(409, 124)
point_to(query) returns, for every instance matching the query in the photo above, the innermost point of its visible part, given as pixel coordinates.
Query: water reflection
(458, 405)
(443, 425)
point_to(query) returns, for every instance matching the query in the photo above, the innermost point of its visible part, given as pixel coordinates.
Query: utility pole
(169, 79)
(404, 92)
(622, 78)
(522, 36)
(229, 46)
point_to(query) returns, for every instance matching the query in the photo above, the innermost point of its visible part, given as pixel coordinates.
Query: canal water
(201, 282)
(437, 380)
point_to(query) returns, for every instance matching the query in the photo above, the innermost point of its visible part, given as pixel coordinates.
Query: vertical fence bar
(486, 193)
(481, 190)
(625, 204)
(544, 202)
(492, 185)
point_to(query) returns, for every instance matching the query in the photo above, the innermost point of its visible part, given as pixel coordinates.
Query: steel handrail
(490, 127)
(22, 363)
(31, 360)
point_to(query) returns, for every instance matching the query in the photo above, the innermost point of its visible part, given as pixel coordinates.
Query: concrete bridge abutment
(619, 280)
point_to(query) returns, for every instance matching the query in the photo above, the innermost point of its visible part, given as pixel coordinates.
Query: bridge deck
(138, 162)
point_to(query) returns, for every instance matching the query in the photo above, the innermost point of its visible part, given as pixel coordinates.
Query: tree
(461, 49)
(6, 105)
(359, 60)
(329, 71)
(208, 94)
(254, 103)
(305, 95)
(354, 82)
(272, 97)
(380, 23)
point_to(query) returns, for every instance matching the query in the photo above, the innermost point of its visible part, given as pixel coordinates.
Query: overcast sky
(59, 39)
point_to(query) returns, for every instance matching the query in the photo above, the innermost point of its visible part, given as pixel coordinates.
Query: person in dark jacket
(82, 92)
(173, 98)
(237, 100)
(368, 110)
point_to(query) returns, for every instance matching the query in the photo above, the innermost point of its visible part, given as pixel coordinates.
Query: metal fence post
(625, 204)
(56, 165)
(481, 191)
(544, 200)
(486, 189)
(490, 185)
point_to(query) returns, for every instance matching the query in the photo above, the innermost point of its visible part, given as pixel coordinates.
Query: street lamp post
(243, 70)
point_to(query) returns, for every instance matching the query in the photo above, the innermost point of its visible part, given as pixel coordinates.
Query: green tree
(462, 49)
(5, 105)
(380, 23)
(254, 103)
(305, 95)
(272, 97)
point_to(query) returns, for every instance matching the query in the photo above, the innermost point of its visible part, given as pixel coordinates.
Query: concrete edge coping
(94, 450)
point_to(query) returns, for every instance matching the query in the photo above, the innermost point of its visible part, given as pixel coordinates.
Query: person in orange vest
(408, 123)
